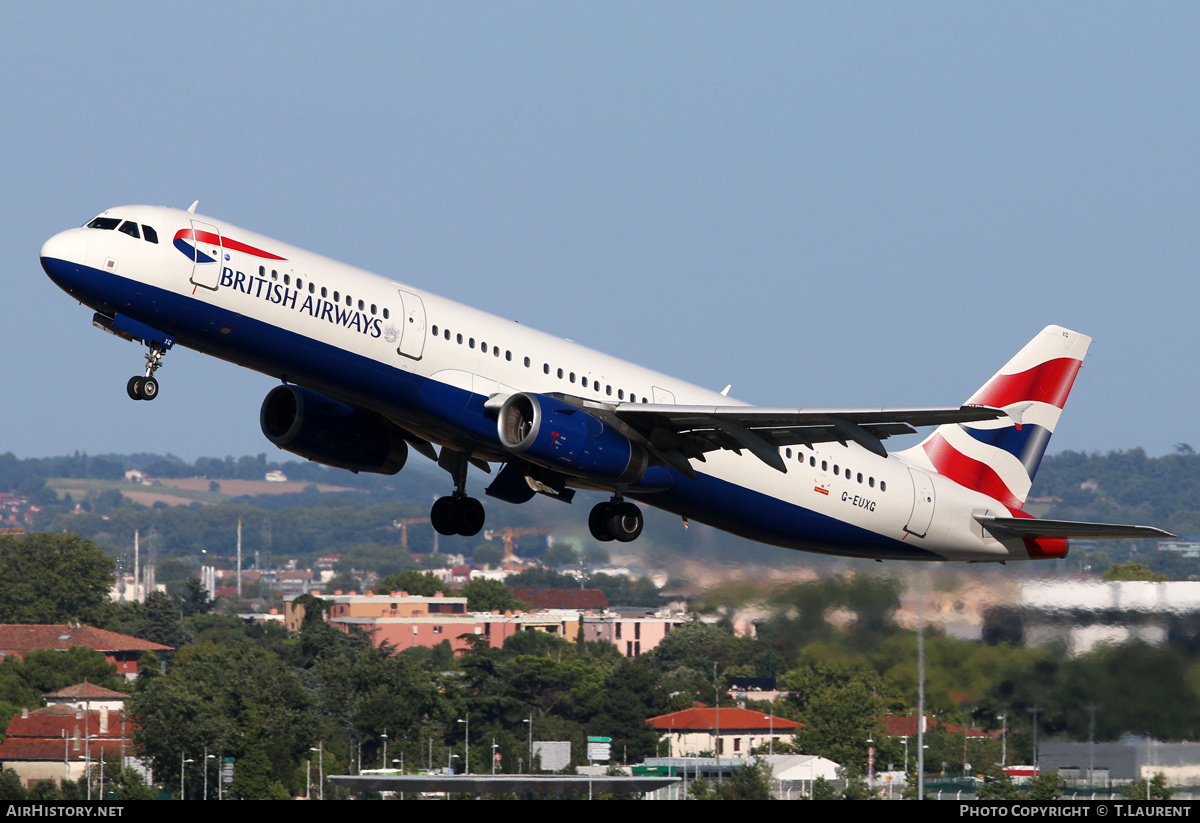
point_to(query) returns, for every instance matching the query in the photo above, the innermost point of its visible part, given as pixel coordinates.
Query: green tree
(1132, 571)
(211, 697)
(162, 622)
(54, 578)
(998, 785)
(1046, 786)
(1159, 790)
(422, 584)
(486, 595)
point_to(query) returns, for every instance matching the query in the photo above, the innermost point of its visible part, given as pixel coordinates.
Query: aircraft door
(663, 397)
(207, 251)
(923, 503)
(412, 325)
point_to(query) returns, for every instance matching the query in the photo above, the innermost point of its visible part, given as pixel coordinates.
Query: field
(182, 491)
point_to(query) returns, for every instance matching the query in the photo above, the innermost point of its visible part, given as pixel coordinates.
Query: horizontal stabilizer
(1069, 529)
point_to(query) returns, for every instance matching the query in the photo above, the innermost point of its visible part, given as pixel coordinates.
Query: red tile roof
(88, 691)
(44, 749)
(20, 638)
(907, 727)
(562, 598)
(704, 719)
(54, 724)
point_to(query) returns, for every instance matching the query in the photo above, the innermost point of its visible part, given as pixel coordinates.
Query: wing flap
(762, 430)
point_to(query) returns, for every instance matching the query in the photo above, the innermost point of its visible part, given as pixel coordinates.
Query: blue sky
(824, 205)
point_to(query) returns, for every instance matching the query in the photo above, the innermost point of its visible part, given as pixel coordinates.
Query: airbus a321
(371, 368)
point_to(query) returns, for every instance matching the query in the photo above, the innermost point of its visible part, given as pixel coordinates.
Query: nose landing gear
(146, 388)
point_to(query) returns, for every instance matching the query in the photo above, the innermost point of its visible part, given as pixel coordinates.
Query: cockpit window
(129, 227)
(108, 223)
(149, 233)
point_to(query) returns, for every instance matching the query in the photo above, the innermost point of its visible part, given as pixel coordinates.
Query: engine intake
(328, 431)
(559, 436)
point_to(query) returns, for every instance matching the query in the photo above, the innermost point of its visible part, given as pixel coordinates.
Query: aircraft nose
(67, 246)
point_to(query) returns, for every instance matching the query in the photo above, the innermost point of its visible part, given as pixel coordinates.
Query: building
(121, 650)
(1080, 615)
(81, 725)
(403, 621)
(728, 730)
(1122, 761)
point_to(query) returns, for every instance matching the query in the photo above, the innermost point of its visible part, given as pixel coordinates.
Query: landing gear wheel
(149, 388)
(442, 516)
(598, 522)
(134, 388)
(625, 522)
(457, 515)
(470, 516)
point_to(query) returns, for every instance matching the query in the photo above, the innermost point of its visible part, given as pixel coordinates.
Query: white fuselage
(429, 364)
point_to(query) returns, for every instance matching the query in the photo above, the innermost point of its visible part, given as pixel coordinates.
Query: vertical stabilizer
(1001, 457)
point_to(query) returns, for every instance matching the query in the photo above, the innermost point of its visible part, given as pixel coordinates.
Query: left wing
(679, 433)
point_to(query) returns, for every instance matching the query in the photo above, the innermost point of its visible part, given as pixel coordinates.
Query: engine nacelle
(328, 431)
(559, 436)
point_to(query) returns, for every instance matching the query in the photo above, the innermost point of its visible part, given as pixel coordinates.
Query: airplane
(371, 368)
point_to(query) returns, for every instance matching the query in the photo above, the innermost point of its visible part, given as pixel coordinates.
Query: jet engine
(328, 431)
(559, 436)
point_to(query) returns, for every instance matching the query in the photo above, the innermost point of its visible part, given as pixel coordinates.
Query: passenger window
(882, 486)
(620, 394)
(372, 308)
(274, 274)
(583, 382)
(471, 343)
(572, 377)
(130, 228)
(386, 314)
(460, 339)
(262, 271)
(483, 347)
(151, 235)
(560, 373)
(435, 331)
(324, 292)
(287, 280)
(360, 305)
(608, 390)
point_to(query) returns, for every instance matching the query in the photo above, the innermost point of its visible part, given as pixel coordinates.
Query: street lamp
(530, 722)
(183, 761)
(320, 749)
(467, 764)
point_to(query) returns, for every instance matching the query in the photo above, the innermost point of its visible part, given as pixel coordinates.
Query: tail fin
(1001, 457)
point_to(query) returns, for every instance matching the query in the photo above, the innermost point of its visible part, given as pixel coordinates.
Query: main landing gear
(458, 513)
(146, 388)
(617, 520)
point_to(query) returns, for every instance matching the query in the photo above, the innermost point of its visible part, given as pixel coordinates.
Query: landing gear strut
(146, 388)
(458, 513)
(617, 520)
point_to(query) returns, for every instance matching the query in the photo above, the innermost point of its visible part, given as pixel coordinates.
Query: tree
(1132, 571)
(422, 584)
(749, 782)
(1159, 790)
(1046, 786)
(162, 623)
(55, 578)
(487, 595)
(998, 785)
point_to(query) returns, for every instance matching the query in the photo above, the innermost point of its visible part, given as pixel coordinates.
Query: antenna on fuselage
(192, 208)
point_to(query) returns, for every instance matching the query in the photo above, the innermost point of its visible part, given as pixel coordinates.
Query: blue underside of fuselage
(446, 413)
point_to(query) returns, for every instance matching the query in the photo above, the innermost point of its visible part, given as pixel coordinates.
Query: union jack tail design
(1001, 457)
